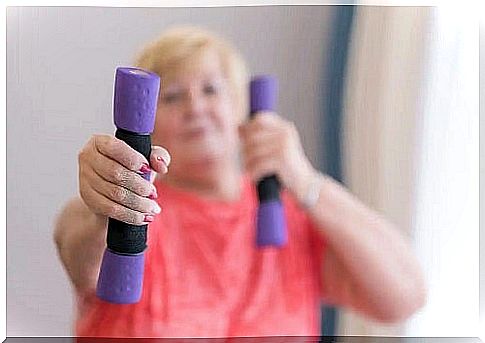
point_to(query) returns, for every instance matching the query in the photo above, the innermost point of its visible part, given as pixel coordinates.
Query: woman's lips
(195, 133)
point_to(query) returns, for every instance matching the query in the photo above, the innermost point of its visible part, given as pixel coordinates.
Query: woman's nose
(195, 104)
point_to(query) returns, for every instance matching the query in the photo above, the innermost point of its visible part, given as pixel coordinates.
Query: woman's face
(196, 119)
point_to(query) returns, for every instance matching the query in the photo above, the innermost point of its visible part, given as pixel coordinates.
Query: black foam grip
(141, 143)
(269, 189)
(125, 238)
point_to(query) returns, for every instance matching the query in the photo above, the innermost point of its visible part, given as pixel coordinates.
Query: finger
(266, 119)
(159, 159)
(113, 210)
(121, 152)
(266, 115)
(116, 173)
(262, 168)
(255, 140)
(261, 153)
(260, 126)
(121, 195)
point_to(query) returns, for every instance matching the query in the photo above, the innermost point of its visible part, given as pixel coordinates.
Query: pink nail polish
(145, 168)
(153, 195)
(148, 218)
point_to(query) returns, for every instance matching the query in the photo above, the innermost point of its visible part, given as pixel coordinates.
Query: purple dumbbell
(135, 99)
(271, 223)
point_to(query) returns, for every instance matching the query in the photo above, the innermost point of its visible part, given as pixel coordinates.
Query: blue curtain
(332, 108)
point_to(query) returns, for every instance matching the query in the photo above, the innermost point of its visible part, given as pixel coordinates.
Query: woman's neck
(222, 183)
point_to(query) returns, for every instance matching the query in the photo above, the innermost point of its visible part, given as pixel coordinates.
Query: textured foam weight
(126, 239)
(121, 278)
(263, 93)
(135, 99)
(272, 225)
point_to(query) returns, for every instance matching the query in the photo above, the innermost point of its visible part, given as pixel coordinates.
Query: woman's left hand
(271, 145)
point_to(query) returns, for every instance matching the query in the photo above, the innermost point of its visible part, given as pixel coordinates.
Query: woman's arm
(80, 238)
(368, 265)
(110, 185)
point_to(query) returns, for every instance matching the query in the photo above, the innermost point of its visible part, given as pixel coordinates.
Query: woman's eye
(210, 89)
(171, 97)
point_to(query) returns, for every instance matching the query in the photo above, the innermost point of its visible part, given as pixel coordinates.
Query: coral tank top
(204, 276)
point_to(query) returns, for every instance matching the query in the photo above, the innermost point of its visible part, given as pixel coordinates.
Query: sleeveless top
(205, 277)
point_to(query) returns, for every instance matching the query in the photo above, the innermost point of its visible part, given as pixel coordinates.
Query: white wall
(412, 152)
(60, 68)
(482, 174)
(446, 216)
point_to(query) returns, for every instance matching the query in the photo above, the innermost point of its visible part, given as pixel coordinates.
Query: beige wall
(382, 108)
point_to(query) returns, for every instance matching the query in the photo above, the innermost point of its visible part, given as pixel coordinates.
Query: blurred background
(385, 98)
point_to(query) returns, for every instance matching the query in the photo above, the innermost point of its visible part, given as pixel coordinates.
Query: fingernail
(157, 209)
(160, 159)
(148, 218)
(153, 195)
(145, 168)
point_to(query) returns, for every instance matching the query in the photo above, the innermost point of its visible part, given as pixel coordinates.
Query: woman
(203, 274)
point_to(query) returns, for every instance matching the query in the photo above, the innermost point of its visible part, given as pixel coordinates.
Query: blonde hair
(175, 47)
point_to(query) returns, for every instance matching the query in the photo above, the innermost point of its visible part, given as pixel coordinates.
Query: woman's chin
(197, 165)
(206, 163)
(205, 155)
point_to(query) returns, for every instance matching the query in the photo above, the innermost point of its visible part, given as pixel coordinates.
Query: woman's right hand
(111, 182)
